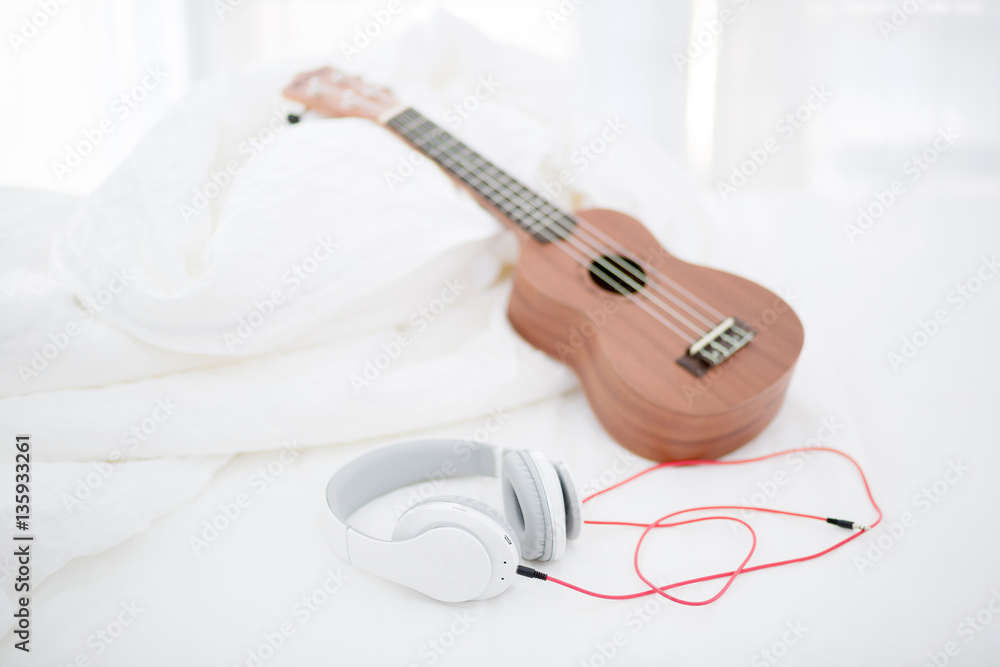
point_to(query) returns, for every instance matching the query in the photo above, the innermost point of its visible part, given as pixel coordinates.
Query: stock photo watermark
(230, 511)
(87, 485)
(898, 17)
(59, 340)
(914, 169)
(562, 12)
(105, 636)
(419, 321)
(264, 308)
(759, 323)
(707, 35)
(223, 8)
(131, 438)
(767, 489)
(971, 627)
(123, 107)
(579, 334)
(435, 647)
(302, 611)
(366, 33)
(22, 542)
(634, 621)
(621, 466)
(30, 26)
(218, 181)
(459, 112)
(779, 648)
(786, 127)
(957, 298)
(586, 154)
(923, 501)
(461, 451)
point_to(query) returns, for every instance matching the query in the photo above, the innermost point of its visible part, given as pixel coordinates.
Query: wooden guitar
(678, 361)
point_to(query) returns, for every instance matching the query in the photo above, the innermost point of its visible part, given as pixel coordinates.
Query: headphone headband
(394, 466)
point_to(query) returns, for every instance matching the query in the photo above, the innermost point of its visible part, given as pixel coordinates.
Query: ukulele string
(459, 170)
(555, 215)
(615, 267)
(447, 160)
(640, 275)
(580, 224)
(424, 128)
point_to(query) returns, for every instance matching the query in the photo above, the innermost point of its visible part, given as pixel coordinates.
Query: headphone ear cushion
(478, 506)
(574, 508)
(526, 499)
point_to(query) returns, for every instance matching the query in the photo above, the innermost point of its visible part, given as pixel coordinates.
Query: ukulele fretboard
(524, 207)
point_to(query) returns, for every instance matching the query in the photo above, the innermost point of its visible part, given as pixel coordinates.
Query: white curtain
(749, 62)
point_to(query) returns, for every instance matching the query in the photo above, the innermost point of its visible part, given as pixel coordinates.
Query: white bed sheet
(220, 602)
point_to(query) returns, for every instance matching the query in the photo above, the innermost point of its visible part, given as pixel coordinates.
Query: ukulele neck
(506, 195)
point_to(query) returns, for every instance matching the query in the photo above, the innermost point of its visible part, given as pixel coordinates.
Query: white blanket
(143, 330)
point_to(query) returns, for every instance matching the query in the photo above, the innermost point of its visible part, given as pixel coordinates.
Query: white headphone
(455, 548)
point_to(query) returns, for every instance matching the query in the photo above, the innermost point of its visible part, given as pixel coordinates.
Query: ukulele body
(627, 361)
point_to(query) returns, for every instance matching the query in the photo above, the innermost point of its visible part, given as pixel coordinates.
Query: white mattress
(283, 402)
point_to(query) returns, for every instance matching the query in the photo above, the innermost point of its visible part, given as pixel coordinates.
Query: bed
(194, 350)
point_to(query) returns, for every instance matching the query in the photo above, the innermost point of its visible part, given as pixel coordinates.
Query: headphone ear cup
(471, 503)
(571, 499)
(533, 502)
(490, 557)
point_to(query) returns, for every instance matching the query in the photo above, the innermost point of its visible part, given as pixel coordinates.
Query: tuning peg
(312, 88)
(294, 118)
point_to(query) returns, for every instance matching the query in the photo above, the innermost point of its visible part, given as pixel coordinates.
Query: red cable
(661, 590)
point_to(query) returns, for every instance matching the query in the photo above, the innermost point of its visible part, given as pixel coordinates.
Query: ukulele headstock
(330, 92)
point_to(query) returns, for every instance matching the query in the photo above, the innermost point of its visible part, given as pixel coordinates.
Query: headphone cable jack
(849, 525)
(531, 573)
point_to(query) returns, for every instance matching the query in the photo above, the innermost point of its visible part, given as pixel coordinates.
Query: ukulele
(678, 361)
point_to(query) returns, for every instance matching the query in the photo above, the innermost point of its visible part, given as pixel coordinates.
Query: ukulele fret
(521, 205)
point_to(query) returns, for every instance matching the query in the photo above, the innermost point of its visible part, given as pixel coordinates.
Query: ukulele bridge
(716, 346)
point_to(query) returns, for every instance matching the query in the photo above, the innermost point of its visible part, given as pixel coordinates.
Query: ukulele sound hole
(618, 274)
